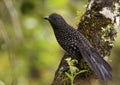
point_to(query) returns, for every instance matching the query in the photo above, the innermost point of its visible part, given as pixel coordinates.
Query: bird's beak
(46, 17)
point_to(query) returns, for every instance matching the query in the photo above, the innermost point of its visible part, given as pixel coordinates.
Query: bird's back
(73, 42)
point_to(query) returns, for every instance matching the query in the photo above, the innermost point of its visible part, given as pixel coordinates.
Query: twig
(10, 52)
(15, 19)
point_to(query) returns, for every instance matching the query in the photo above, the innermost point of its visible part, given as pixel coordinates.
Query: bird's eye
(55, 19)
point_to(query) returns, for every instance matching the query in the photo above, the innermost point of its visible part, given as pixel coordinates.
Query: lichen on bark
(99, 25)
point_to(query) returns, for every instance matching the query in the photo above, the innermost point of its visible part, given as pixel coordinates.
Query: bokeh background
(29, 52)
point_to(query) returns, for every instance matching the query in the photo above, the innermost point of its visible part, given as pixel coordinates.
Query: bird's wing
(101, 68)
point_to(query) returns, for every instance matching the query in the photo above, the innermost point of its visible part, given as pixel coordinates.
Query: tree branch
(99, 25)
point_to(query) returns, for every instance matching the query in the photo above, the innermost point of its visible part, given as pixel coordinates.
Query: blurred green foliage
(33, 59)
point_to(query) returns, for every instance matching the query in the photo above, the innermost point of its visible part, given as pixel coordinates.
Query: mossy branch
(99, 25)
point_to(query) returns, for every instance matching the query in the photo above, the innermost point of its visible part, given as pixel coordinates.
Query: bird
(76, 44)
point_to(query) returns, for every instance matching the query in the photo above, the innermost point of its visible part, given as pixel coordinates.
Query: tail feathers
(101, 68)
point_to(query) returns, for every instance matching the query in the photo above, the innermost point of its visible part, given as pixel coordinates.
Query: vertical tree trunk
(99, 25)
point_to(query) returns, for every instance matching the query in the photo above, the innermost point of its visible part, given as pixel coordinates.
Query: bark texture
(99, 25)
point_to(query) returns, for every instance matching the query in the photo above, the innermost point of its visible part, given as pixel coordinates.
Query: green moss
(73, 70)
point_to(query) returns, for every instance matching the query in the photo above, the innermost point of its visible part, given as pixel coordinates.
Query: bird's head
(56, 20)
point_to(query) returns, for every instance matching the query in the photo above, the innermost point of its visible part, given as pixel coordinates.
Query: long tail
(101, 68)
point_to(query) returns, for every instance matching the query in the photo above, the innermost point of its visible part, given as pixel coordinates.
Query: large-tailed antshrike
(73, 42)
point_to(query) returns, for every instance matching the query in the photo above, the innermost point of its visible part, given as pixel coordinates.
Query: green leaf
(69, 76)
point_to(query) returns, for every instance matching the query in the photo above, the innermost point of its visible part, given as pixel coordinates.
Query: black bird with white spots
(74, 43)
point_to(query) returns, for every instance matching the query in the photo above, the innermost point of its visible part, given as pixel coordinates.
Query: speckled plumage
(73, 42)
